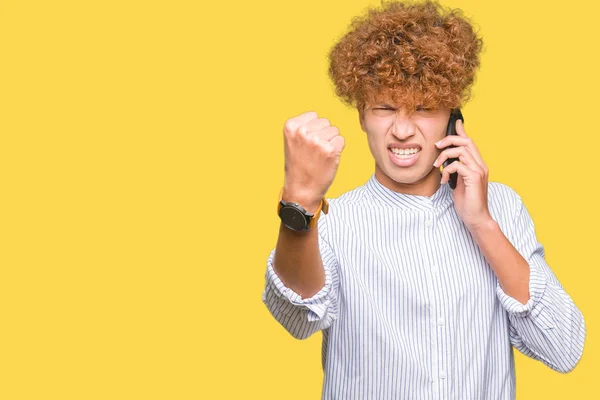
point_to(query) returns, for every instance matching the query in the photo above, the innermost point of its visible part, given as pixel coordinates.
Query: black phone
(455, 115)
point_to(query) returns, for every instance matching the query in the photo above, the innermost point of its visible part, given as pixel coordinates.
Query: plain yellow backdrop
(141, 157)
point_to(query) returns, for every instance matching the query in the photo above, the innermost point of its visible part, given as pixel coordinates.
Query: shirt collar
(440, 198)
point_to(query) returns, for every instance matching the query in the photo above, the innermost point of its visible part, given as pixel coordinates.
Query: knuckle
(289, 126)
(332, 132)
(311, 115)
(338, 139)
(328, 149)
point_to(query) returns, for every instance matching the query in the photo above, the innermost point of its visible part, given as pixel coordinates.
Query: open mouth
(404, 153)
(404, 157)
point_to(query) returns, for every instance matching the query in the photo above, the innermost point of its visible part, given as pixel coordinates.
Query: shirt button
(443, 374)
(434, 269)
(428, 222)
(440, 321)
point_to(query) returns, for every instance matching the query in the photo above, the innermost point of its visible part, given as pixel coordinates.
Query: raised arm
(301, 269)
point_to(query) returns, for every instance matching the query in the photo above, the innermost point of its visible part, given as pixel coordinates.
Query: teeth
(400, 152)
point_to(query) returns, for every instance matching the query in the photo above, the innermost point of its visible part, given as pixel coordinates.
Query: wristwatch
(296, 218)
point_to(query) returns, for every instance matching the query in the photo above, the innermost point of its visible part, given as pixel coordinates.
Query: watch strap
(323, 206)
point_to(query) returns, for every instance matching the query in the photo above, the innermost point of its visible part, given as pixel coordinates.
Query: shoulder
(502, 192)
(341, 207)
(356, 196)
(503, 200)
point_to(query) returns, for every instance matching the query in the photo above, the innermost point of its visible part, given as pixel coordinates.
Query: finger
(338, 143)
(462, 170)
(327, 134)
(315, 125)
(460, 128)
(292, 124)
(453, 140)
(467, 142)
(462, 153)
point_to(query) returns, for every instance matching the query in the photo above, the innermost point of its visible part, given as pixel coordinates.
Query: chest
(393, 260)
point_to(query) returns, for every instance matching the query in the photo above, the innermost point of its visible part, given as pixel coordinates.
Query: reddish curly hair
(416, 54)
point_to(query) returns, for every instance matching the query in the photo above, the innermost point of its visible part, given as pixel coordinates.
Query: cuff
(537, 286)
(316, 305)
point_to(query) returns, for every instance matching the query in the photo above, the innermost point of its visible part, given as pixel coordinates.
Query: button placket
(425, 222)
(434, 283)
(439, 378)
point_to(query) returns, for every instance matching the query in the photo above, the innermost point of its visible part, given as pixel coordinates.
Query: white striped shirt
(412, 310)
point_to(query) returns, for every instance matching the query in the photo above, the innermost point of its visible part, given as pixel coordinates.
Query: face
(404, 146)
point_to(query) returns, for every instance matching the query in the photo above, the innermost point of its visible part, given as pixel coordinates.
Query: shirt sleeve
(549, 327)
(303, 317)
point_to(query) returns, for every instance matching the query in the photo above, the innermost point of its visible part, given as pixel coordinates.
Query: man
(421, 290)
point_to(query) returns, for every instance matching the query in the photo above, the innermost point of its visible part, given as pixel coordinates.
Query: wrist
(487, 225)
(300, 215)
(309, 201)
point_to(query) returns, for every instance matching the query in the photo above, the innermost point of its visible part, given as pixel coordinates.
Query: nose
(403, 127)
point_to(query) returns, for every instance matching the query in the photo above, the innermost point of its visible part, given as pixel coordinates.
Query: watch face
(293, 218)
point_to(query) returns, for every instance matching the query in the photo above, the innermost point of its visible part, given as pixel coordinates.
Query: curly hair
(416, 54)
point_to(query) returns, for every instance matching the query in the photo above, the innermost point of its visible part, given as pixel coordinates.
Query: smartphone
(455, 115)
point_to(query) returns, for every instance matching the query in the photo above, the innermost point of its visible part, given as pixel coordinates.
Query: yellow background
(141, 157)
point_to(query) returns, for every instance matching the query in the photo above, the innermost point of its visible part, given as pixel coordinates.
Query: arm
(302, 262)
(297, 260)
(545, 323)
(301, 286)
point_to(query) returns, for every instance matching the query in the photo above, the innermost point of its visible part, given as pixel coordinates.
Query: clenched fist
(312, 155)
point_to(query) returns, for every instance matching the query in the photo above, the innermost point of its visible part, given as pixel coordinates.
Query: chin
(406, 176)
